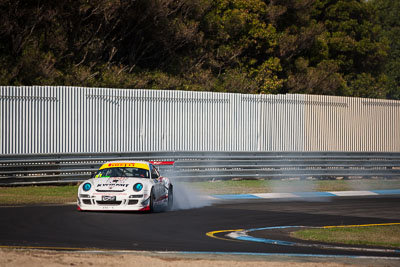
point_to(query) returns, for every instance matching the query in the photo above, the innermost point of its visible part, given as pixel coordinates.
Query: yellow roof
(139, 165)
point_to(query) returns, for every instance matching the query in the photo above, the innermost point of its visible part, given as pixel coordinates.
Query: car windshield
(122, 172)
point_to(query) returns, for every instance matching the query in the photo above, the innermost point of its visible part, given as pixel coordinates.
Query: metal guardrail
(28, 169)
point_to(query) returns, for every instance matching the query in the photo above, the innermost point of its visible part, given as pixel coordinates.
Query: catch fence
(57, 119)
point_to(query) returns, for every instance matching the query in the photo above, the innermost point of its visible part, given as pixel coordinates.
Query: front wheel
(152, 200)
(170, 198)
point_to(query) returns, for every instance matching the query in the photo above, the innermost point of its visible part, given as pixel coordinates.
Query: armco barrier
(25, 169)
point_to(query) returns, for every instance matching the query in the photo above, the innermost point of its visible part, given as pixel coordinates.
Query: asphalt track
(64, 227)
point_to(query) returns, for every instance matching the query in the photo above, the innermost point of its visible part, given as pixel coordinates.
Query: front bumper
(121, 203)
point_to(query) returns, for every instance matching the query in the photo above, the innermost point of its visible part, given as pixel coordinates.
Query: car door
(157, 184)
(163, 188)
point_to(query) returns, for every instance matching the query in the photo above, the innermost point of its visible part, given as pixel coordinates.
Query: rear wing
(162, 162)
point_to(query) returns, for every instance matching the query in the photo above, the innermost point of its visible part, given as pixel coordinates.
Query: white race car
(126, 185)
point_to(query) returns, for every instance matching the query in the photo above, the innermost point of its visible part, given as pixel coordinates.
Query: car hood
(115, 184)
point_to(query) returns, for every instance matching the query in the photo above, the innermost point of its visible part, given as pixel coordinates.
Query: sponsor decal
(112, 182)
(125, 165)
(112, 185)
(110, 165)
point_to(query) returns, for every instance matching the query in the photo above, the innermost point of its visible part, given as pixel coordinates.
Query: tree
(340, 48)
(240, 36)
(387, 13)
(83, 42)
(333, 47)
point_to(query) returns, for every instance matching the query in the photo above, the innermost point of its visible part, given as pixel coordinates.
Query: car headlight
(138, 187)
(87, 186)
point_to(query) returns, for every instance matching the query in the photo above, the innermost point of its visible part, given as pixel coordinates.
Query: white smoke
(292, 185)
(296, 185)
(186, 197)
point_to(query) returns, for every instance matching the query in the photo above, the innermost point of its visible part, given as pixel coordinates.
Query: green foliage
(365, 85)
(387, 16)
(245, 40)
(339, 47)
(335, 47)
(266, 76)
(322, 79)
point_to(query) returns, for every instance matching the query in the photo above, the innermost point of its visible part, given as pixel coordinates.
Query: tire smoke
(186, 197)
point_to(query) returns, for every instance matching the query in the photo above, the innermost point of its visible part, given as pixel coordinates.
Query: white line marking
(353, 193)
(276, 195)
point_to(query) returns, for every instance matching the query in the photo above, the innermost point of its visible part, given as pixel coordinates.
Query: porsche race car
(126, 186)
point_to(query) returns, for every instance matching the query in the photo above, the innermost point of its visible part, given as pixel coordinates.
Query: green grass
(64, 194)
(37, 194)
(384, 236)
(286, 186)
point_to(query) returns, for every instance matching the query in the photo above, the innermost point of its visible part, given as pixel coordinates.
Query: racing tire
(170, 198)
(151, 205)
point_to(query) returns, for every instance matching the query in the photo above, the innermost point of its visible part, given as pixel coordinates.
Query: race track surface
(185, 230)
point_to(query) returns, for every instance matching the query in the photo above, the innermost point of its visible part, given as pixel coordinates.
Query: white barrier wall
(335, 123)
(45, 119)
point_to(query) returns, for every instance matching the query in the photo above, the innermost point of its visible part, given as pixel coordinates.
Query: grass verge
(64, 194)
(37, 194)
(384, 236)
(287, 186)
